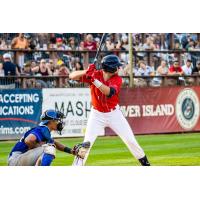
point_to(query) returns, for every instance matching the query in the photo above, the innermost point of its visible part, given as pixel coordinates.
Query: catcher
(38, 148)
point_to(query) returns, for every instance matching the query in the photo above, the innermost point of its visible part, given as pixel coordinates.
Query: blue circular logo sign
(187, 108)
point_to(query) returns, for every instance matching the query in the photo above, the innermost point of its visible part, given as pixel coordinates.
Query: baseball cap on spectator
(189, 60)
(60, 62)
(59, 40)
(6, 56)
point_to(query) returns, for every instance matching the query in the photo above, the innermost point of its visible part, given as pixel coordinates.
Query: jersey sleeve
(91, 69)
(116, 83)
(83, 79)
(36, 132)
(46, 134)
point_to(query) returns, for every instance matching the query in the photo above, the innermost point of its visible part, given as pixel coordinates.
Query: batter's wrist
(68, 150)
(97, 83)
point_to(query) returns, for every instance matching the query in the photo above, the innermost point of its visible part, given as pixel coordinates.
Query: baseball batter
(37, 147)
(105, 87)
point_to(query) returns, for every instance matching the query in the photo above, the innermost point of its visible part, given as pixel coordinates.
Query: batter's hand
(81, 149)
(90, 70)
(93, 76)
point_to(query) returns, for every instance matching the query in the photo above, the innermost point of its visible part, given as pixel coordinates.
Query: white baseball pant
(116, 121)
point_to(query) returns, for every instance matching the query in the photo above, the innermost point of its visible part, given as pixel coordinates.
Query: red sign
(161, 110)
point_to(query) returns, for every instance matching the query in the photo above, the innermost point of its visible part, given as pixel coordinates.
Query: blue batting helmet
(110, 63)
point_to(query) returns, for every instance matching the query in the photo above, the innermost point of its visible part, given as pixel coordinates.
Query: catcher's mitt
(81, 149)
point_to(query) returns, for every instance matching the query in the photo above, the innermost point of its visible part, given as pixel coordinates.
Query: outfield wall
(148, 110)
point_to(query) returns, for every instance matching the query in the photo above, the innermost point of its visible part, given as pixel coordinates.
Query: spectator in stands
(187, 68)
(72, 44)
(52, 40)
(123, 43)
(3, 44)
(60, 45)
(175, 69)
(42, 39)
(162, 69)
(31, 43)
(97, 40)
(29, 82)
(89, 43)
(187, 71)
(127, 69)
(143, 70)
(149, 45)
(78, 66)
(33, 64)
(191, 45)
(42, 70)
(63, 70)
(81, 46)
(20, 42)
(27, 69)
(10, 69)
(196, 69)
(177, 46)
(50, 64)
(1, 70)
(109, 44)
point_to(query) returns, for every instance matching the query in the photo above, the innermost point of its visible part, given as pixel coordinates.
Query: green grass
(162, 150)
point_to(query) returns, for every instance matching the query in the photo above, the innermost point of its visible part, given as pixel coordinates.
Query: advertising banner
(148, 110)
(161, 110)
(74, 103)
(20, 110)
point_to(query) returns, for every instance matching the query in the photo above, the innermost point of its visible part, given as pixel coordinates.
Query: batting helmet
(110, 63)
(53, 115)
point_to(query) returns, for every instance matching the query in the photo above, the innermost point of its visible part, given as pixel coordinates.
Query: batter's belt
(105, 110)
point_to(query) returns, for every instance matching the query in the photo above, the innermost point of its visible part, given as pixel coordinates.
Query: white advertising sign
(74, 103)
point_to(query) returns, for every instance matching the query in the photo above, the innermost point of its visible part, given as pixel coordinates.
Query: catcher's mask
(49, 115)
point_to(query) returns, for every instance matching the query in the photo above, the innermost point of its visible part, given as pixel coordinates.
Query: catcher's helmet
(49, 115)
(110, 63)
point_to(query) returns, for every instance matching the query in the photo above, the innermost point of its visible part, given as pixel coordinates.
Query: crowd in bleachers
(47, 54)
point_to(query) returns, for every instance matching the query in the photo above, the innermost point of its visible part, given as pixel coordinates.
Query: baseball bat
(103, 38)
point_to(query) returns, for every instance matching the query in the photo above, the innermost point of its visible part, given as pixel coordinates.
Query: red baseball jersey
(175, 69)
(90, 45)
(100, 101)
